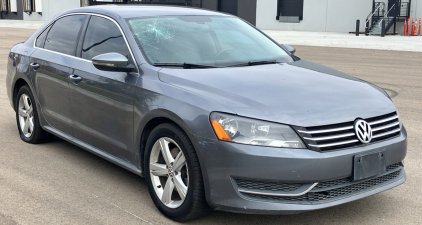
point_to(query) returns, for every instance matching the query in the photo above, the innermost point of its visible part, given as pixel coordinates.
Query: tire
(194, 204)
(27, 114)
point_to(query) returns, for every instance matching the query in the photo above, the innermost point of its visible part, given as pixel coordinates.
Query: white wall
(52, 7)
(314, 14)
(318, 15)
(342, 14)
(416, 9)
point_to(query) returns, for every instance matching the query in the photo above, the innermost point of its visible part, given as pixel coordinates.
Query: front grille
(342, 135)
(335, 189)
(267, 186)
(348, 181)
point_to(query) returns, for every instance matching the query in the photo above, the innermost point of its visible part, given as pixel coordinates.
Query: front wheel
(173, 174)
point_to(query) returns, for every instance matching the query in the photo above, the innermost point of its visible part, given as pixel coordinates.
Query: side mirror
(114, 62)
(289, 48)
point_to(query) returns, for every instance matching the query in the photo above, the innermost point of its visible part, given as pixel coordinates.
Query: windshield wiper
(254, 63)
(184, 65)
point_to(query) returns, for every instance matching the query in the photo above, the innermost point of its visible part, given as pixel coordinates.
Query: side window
(63, 36)
(41, 38)
(103, 36)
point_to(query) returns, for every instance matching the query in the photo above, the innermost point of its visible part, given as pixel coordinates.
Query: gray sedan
(211, 111)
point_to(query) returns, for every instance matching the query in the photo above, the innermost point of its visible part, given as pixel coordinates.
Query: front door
(102, 102)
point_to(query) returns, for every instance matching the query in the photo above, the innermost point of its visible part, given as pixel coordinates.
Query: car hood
(300, 93)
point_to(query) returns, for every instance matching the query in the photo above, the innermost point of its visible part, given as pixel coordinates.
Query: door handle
(75, 78)
(35, 66)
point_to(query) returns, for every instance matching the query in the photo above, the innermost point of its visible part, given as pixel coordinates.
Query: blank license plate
(369, 164)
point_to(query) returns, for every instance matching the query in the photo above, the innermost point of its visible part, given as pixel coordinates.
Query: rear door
(102, 102)
(51, 64)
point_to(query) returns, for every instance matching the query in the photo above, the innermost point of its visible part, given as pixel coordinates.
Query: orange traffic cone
(413, 27)
(405, 26)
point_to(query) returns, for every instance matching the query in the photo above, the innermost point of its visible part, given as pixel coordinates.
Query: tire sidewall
(25, 90)
(167, 130)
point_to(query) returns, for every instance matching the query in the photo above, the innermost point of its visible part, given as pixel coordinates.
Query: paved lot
(345, 40)
(58, 183)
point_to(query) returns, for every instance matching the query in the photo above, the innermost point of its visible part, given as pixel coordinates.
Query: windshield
(203, 40)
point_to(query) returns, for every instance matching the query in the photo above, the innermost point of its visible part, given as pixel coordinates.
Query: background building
(35, 9)
(301, 15)
(330, 15)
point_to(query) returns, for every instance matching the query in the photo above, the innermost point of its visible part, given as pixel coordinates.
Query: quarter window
(41, 39)
(103, 36)
(64, 34)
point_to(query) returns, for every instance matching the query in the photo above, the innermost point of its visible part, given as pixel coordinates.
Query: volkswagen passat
(212, 112)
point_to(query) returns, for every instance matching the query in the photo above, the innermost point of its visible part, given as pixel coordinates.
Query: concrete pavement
(24, 24)
(59, 183)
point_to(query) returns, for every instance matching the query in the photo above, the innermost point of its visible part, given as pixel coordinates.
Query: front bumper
(292, 171)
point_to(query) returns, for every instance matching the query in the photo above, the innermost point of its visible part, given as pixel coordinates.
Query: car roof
(130, 11)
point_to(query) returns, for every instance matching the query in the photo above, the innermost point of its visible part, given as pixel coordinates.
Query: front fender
(189, 125)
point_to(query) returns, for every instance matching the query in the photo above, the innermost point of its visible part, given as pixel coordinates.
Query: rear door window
(63, 36)
(103, 36)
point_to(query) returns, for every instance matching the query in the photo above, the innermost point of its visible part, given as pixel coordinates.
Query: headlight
(254, 132)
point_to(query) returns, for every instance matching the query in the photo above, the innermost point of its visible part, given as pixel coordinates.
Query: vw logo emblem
(363, 131)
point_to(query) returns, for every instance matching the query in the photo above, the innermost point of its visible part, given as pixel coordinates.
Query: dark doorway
(228, 6)
(290, 8)
(390, 4)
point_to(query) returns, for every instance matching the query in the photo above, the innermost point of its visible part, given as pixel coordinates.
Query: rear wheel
(27, 118)
(173, 174)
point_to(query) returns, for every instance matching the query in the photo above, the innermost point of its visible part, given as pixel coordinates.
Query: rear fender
(18, 69)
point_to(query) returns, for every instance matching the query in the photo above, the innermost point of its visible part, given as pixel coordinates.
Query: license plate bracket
(369, 164)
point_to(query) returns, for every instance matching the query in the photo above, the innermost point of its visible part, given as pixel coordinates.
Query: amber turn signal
(219, 131)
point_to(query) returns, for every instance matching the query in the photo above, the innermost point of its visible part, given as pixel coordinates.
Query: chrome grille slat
(384, 120)
(326, 131)
(386, 133)
(339, 136)
(385, 127)
(334, 144)
(331, 137)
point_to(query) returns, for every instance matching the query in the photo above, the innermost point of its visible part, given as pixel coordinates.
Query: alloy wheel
(169, 172)
(26, 115)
